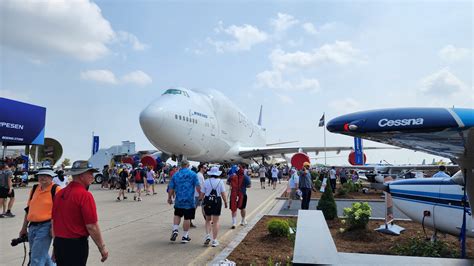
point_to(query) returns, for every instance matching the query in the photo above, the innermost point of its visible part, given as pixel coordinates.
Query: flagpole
(324, 129)
(322, 123)
(92, 150)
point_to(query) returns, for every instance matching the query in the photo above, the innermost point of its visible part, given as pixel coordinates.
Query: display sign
(21, 123)
(359, 154)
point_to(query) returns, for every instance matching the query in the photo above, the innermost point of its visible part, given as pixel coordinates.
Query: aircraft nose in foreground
(152, 118)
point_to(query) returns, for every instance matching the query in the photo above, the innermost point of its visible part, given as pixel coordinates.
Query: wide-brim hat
(79, 167)
(214, 171)
(46, 171)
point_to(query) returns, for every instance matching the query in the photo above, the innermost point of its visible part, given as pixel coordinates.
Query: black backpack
(212, 201)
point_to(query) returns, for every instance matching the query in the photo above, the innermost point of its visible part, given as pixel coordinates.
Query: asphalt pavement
(137, 233)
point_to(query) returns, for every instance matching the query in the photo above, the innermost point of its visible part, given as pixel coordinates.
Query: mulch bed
(259, 247)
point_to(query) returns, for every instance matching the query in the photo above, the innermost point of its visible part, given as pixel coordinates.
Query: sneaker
(233, 226)
(139, 199)
(9, 214)
(2, 215)
(174, 235)
(244, 222)
(134, 197)
(215, 243)
(154, 193)
(207, 240)
(124, 198)
(185, 239)
(118, 198)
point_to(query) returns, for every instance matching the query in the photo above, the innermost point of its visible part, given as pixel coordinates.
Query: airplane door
(448, 206)
(212, 133)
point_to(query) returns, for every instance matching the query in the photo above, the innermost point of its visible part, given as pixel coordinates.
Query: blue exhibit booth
(21, 123)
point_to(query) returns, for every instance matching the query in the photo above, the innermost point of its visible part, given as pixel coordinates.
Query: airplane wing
(439, 131)
(450, 168)
(250, 152)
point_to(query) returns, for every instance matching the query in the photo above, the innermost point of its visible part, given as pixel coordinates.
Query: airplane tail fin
(260, 116)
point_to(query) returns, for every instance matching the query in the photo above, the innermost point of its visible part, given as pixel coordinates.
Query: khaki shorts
(293, 194)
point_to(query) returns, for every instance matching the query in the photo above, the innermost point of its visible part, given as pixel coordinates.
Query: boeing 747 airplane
(206, 126)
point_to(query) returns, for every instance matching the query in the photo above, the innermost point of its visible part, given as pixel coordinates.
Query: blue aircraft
(442, 203)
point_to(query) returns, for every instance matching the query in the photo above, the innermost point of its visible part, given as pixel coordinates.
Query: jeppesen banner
(21, 123)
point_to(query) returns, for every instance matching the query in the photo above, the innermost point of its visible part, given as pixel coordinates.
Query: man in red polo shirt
(75, 218)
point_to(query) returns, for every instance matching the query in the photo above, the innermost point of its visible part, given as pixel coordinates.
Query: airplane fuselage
(438, 199)
(202, 126)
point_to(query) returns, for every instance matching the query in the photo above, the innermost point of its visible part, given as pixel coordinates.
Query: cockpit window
(176, 91)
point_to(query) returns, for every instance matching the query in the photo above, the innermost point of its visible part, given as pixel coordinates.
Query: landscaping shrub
(342, 191)
(358, 216)
(317, 184)
(278, 227)
(350, 186)
(327, 204)
(314, 175)
(418, 246)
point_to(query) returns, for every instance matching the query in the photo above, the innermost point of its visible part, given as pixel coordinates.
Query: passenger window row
(186, 119)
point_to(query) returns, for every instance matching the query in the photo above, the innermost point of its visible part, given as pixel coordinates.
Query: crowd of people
(64, 212)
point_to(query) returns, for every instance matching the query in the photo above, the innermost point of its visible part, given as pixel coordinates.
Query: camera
(21, 239)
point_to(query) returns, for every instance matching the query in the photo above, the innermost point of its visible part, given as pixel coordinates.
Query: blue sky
(96, 65)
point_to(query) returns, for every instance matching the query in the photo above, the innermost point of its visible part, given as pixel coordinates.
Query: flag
(321, 121)
(95, 144)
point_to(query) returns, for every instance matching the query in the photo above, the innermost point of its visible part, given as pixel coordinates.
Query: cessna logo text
(384, 122)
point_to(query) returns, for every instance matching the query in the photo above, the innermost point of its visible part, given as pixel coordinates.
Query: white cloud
(443, 88)
(450, 53)
(295, 43)
(273, 79)
(285, 65)
(244, 38)
(123, 36)
(285, 98)
(339, 53)
(100, 75)
(75, 29)
(345, 105)
(283, 22)
(9, 94)
(441, 83)
(310, 28)
(137, 77)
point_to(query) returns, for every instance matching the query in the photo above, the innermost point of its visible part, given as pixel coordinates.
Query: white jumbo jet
(206, 126)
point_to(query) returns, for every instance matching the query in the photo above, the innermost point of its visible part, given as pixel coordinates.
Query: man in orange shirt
(37, 221)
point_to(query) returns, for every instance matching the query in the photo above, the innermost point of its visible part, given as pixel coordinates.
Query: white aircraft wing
(250, 152)
(451, 168)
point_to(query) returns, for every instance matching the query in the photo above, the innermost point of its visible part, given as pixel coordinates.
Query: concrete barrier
(314, 243)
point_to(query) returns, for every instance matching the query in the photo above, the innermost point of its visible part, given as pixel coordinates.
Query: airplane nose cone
(151, 119)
